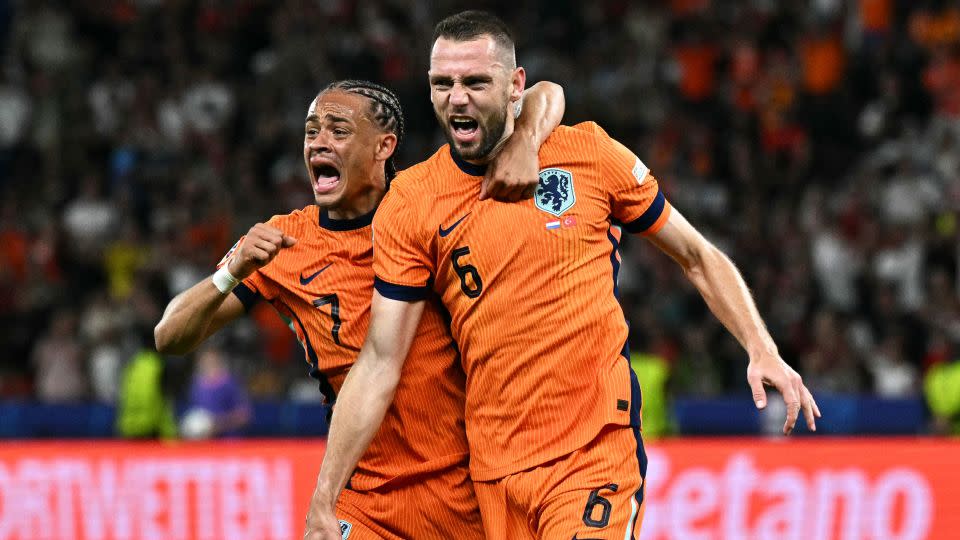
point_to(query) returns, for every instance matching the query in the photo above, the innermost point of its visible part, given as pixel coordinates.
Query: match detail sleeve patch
(640, 171)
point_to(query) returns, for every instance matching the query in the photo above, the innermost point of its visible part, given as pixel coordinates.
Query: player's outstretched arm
(728, 297)
(197, 313)
(193, 316)
(363, 401)
(513, 173)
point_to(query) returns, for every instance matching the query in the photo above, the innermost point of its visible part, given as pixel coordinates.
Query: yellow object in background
(142, 410)
(941, 388)
(653, 373)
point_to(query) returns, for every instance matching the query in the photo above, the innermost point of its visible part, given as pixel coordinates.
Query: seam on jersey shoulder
(293, 217)
(406, 202)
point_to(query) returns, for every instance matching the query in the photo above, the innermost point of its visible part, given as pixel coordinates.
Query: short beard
(491, 137)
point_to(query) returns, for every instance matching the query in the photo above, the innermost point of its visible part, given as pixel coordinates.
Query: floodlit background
(816, 142)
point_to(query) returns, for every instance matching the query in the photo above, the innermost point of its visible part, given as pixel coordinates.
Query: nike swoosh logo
(575, 537)
(444, 232)
(308, 279)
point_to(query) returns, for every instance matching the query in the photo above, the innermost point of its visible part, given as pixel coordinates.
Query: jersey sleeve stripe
(247, 296)
(650, 216)
(661, 221)
(404, 293)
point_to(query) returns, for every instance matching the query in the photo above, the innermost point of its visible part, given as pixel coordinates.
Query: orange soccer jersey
(323, 285)
(531, 288)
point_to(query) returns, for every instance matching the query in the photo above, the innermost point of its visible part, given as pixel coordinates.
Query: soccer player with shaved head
(314, 266)
(552, 406)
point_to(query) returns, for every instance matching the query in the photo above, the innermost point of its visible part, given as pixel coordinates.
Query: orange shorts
(592, 493)
(440, 505)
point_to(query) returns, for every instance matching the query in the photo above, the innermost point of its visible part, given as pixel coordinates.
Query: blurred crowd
(817, 142)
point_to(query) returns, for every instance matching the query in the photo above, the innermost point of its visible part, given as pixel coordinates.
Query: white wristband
(224, 281)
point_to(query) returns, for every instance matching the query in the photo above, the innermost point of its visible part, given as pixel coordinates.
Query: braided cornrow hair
(385, 108)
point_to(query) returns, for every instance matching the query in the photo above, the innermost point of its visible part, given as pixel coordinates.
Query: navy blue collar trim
(345, 224)
(467, 167)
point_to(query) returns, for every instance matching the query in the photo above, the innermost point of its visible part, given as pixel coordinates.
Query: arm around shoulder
(541, 111)
(512, 175)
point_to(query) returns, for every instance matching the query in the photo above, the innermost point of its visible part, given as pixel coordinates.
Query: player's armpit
(366, 394)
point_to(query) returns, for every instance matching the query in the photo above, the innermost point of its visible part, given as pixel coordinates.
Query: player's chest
(329, 286)
(328, 266)
(568, 214)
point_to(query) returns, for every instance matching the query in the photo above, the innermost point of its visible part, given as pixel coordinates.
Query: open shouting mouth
(326, 177)
(465, 129)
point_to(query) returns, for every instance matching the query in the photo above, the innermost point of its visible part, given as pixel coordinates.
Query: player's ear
(386, 145)
(517, 83)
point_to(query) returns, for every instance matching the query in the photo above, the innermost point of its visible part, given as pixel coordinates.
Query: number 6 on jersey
(466, 270)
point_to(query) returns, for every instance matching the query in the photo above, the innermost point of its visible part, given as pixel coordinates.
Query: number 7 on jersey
(334, 313)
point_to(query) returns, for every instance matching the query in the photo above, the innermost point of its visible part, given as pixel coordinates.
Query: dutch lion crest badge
(555, 193)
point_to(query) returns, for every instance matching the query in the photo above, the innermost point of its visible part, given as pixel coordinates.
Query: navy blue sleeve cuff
(247, 296)
(404, 293)
(649, 217)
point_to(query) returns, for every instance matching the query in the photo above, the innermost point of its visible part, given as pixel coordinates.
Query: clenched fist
(260, 245)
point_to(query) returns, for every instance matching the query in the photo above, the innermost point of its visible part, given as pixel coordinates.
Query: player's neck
(359, 205)
(507, 132)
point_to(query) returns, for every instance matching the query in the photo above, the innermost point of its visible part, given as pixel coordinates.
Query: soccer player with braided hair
(384, 109)
(314, 266)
